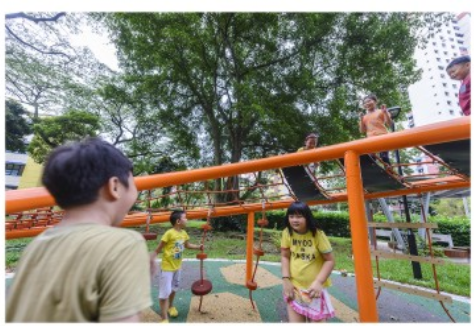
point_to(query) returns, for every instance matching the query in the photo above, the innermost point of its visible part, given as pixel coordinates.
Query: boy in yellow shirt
(172, 244)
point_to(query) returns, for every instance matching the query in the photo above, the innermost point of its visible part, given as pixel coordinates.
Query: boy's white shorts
(169, 281)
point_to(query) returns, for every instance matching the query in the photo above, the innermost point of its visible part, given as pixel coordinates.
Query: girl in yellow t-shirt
(306, 264)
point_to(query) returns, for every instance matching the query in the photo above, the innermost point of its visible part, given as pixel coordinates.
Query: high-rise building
(435, 97)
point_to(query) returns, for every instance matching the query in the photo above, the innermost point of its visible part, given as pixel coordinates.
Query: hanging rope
(202, 286)
(435, 275)
(258, 251)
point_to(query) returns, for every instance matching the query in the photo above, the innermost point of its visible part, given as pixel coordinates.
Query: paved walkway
(229, 298)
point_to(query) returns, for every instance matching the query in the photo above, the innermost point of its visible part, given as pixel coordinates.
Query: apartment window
(443, 45)
(452, 47)
(455, 94)
(435, 94)
(451, 112)
(446, 93)
(436, 51)
(442, 75)
(444, 84)
(451, 39)
(14, 169)
(460, 42)
(449, 102)
(431, 77)
(455, 54)
(459, 35)
(434, 43)
(456, 28)
(440, 67)
(420, 169)
(454, 86)
(438, 59)
(449, 32)
(437, 103)
(447, 60)
(445, 52)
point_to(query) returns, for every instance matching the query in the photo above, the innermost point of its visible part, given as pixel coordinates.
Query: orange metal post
(250, 229)
(360, 242)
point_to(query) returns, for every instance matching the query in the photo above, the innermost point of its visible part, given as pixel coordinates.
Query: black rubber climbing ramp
(301, 183)
(457, 154)
(374, 177)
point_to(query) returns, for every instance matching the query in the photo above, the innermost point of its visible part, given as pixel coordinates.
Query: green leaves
(54, 131)
(17, 126)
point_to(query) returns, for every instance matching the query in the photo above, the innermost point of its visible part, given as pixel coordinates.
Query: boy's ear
(112, 188)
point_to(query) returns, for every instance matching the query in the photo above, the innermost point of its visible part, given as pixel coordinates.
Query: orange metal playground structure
(354, 194)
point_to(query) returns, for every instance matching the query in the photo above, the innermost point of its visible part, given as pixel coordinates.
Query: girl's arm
(328, 265)
(285, 273)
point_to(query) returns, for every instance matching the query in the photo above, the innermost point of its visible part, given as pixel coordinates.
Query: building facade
(435, 97)
(14, 168)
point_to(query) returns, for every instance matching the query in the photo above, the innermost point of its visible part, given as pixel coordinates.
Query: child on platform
(85, 269)
(306, 264)
(172, 244)
(375, 122)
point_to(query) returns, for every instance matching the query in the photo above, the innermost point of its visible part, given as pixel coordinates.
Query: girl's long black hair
(300, 208)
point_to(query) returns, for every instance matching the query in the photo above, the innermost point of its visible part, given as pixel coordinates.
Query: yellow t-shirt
(306, 259)
(81, 273)
(173, 249)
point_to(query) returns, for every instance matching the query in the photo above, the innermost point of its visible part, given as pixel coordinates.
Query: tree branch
(34, 19)
(33, 47)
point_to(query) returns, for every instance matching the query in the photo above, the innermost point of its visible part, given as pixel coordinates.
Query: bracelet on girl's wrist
(283, 277)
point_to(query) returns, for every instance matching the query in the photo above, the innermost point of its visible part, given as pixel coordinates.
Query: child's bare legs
(164, 307)
(171, 299)
(293, 316)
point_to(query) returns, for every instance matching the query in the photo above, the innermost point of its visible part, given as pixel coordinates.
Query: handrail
(456, 129)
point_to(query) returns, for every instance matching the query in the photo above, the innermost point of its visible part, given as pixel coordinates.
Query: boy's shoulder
(93, 231)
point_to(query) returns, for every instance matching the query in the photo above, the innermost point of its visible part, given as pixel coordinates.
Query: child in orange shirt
(375, 122)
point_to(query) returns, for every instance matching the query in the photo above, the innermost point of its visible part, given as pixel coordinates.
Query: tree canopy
(17, 126)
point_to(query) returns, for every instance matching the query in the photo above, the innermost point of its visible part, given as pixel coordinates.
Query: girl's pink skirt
(315, 309)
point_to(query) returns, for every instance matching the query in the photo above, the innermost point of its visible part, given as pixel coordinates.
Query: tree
(43, 69)
(248, 85)
(55, 131)
(17, 126)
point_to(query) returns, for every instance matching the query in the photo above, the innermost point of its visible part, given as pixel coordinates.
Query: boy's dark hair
(175, 216)
(300, 208)
(75, 172)
(371, 96)
(463, 59)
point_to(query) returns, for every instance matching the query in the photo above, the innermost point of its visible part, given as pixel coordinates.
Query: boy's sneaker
(173, 312)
